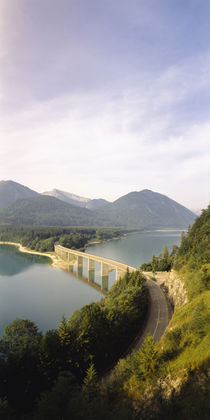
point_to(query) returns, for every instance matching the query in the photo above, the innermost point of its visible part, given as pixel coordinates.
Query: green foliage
(58, 369)
(63, 332)
(90, 384)
(194, 250)
(20, 334)
(162, 263)
(168, 379)
(21, 374)
(185, 342)
(90, 378)
(64, 401)
(149, 359)
(43, 239)
(193, 257)
(93, 338)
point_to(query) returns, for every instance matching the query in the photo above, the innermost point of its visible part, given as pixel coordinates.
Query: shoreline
(56, 261)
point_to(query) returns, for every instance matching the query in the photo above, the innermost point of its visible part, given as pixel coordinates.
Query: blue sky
(103, 97)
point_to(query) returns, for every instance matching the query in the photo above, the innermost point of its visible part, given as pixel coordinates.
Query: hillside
(170, 379)
(68, 197)
(11, 191)
(148, 209)
(76, 200)
(45, 211)
(142, 210)
(96, 203)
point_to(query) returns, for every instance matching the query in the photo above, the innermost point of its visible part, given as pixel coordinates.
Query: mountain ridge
(148, 208)
(76, 199)
(10, 191)
(143, 209)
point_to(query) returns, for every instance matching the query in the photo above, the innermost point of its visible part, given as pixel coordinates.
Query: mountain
(96, 203)
(144, 209)
(11, 191)
(76, 200)
(45, 211)
(147, 209)
(68, 197)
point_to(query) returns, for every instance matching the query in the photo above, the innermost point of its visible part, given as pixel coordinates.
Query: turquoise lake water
(31, 288)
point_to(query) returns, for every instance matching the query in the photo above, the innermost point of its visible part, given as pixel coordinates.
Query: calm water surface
(31, 288)
(138, 248)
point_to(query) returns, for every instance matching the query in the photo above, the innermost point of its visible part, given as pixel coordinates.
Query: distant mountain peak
(143, 209)
(11, 191)
(64, 194)
(76, 199)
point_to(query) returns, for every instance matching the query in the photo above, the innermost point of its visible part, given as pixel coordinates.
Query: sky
(103, 97)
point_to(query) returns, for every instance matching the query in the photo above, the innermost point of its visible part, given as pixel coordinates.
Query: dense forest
(43, 239)
(62, 374)
(33, 364)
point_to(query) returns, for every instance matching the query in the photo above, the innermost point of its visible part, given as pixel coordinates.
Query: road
(158, 316)
(156, 322)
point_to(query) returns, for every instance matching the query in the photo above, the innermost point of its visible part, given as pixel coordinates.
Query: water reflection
(91, 272)
(38, 291)
(13, 262)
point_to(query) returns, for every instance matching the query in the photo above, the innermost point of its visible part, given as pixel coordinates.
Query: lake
(135, 249)
(31, 288)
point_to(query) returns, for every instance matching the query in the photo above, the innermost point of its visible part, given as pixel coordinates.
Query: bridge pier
(71, 258)
(91, 270)
(75, 258)
(104, 276)
(79, 265)
(105, 283)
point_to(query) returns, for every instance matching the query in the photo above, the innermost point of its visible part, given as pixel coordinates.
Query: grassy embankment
(169, 380)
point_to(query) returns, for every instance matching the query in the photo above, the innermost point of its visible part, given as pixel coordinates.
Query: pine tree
(148, 356)
(90, 382)
(63, 332)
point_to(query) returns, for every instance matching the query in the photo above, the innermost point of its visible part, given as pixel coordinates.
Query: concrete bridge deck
(158, 316)
(63, 252)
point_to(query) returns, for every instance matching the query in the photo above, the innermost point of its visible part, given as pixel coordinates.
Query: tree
(165, 252)
(21, 333)
(63, 332)
(148, 357)
(90, 379)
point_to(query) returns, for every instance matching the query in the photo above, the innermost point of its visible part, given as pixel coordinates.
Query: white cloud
(109, 142)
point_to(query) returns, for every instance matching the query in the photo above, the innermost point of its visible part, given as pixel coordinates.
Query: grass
(186, 343)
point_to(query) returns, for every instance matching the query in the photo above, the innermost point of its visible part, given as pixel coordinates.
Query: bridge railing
(108, 261)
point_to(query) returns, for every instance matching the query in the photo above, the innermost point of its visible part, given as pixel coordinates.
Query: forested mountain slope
(150, 209)
(143, 210)
(11, 191)
(45, 211)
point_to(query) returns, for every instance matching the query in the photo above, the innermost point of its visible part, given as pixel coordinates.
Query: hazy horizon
(103, 98)
(196, 210)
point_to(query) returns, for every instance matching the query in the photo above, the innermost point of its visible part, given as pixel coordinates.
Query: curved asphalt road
(158, 316)
(156, 323)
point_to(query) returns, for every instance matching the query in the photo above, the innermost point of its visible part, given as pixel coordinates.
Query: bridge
(158, 315)
(75, 258)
